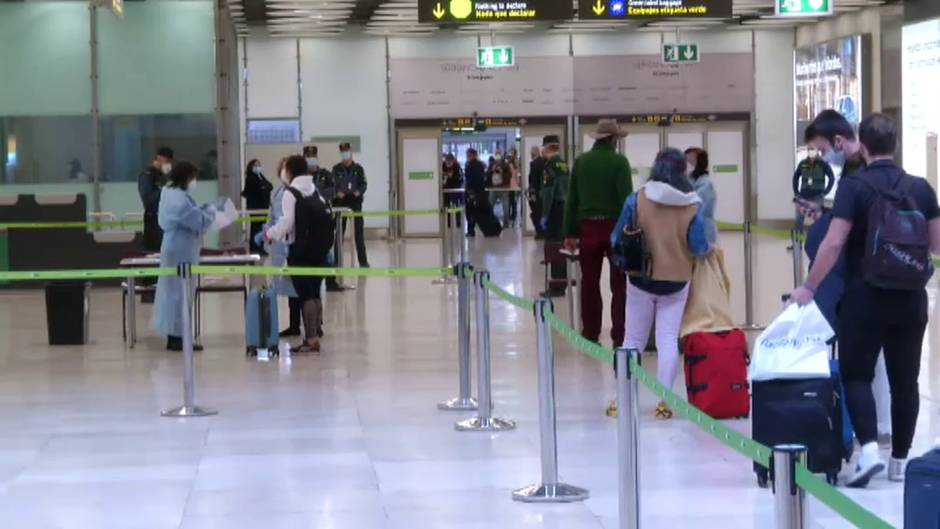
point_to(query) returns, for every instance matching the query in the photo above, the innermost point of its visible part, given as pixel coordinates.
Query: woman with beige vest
(669, 212)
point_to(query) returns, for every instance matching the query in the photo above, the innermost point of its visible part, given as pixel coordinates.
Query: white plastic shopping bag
(794, 346)
(225, 216)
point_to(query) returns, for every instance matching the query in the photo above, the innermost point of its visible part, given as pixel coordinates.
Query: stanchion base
(458, 404)
(479, 424)
(188, 411)
(554, 493)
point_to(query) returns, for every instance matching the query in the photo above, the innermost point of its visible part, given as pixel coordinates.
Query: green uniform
(555, 182)
(601, 181)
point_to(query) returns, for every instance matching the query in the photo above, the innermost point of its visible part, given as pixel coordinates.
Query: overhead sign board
(627, 9)
(459, 11)
(676, 53)
(802, 8)
(495, 57)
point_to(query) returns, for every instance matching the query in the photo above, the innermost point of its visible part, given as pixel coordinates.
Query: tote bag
(794, 346)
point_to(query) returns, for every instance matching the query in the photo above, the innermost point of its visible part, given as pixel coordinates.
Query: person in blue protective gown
(184, 222)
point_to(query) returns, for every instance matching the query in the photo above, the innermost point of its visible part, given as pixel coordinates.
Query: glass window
(128, 143)
(273, 131)
(45, 149)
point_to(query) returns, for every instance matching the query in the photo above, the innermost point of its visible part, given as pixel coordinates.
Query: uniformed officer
(149, 185)
(351, 187)
(326, 186)
(555, 177)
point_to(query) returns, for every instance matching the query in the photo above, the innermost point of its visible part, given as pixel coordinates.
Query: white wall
(343, 90)
(772, 151)
(272, 78)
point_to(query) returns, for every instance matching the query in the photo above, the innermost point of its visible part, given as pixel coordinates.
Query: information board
(920, 77)
(460, 11)
(621, 9)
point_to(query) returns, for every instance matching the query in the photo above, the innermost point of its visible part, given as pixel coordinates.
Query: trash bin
(67, 312)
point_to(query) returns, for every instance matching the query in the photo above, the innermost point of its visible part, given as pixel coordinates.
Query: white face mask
(284, 177)
(256, 169)
(347, 155)
(192, 186)
(166, 168)
(313, 163)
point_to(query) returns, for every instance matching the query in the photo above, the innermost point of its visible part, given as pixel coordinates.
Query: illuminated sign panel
(625, 9)
(458, 11)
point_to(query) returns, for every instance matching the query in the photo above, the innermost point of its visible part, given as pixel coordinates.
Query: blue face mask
(313, 162)
(347, 155)
(835, 158)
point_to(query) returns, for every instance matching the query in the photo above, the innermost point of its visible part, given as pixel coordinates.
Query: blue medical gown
(282, 285)
(184, 223)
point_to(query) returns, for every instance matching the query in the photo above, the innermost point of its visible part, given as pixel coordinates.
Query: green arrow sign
(677, 53)
(802, 8)
(495, 57)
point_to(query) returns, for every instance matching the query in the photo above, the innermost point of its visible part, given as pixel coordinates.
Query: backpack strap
(297, 194)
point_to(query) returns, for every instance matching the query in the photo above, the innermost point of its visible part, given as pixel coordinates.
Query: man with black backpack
(307, 226)
(888, 223)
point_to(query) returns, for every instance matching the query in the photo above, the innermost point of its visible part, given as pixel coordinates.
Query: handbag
(630, 250)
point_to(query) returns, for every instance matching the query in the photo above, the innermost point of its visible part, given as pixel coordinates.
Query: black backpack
(630, 251)
(897, 247)
(313, 229)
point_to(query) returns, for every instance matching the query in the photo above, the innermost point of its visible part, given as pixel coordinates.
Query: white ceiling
(319, 18)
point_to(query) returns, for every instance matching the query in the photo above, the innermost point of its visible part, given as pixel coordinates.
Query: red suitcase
(716, 373)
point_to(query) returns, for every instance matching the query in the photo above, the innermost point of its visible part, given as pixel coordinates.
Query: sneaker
(612, 409)
(869, 465)
(663, 412)
(896, 469)
(290, 331)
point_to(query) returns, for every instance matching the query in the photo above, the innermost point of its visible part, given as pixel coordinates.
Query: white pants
(642, 307)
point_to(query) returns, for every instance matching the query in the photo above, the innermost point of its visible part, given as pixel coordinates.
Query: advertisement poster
(920, 74)
(828, 75)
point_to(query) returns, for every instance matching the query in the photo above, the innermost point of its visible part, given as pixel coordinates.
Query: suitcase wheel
(762, 478)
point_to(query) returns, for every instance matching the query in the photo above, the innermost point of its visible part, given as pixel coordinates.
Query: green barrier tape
(58, 275)
(100, 225)
(454, 210)
(219, 270)
(728, 226)
(583, 344)
(838, 502)
(749, 448)
(399, 213)
(517, 301)
(772, 232)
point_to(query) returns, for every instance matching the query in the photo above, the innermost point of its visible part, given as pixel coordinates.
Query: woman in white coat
(183, 223)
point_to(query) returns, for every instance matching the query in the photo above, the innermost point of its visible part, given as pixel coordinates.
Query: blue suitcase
(922, 492)
(261, 326)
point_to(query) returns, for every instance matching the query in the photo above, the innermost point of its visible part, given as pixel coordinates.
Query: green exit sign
(803, 8)
(677, 53)
(495, 57)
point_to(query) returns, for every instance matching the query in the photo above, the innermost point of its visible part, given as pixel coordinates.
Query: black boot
(175, 343)
(294, 328)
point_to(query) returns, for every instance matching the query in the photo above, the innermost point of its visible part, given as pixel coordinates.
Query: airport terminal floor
(352, 438)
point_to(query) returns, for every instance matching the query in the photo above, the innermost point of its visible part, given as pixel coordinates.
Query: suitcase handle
(696, 388)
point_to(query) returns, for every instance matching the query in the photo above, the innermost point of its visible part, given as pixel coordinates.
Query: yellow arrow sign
(439, 11)
(599, 8)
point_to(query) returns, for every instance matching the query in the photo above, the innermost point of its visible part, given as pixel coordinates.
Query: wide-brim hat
(607, 128)
(551, 139)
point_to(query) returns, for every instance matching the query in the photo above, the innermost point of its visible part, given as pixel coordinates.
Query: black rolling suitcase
(922, 492)
(483, 216)
(806, 412)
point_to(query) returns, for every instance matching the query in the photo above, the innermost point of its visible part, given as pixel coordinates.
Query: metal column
(628, 441)
(789, 499)
(463, 402)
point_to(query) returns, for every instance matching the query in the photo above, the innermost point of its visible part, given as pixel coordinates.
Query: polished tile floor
(352, 439)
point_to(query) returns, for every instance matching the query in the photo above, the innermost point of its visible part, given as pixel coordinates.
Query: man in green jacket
(600, 183)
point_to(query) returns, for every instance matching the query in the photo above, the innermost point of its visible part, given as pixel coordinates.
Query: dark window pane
(45, 149)
(128, 143)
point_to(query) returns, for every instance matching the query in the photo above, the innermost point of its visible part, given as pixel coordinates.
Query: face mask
(313, 162)
(256, 169)
(347, 155)
(192, 186)
(166, 168)
(835, 158)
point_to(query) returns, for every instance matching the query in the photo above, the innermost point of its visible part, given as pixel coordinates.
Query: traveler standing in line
(600, 183)
(452, 180)
(351, 188)
(834, 138)
(257, 194)
(282, 285)
(534, 190)
(697, 160)
(555, 185)
(149, 185)
(183, 223)
(885, 300)
(326, 187)
(300, 205)
(498, 180)
(669, 211)
(514, 182)
(475, 175)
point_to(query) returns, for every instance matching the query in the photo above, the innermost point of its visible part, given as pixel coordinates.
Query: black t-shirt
(855, 198)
